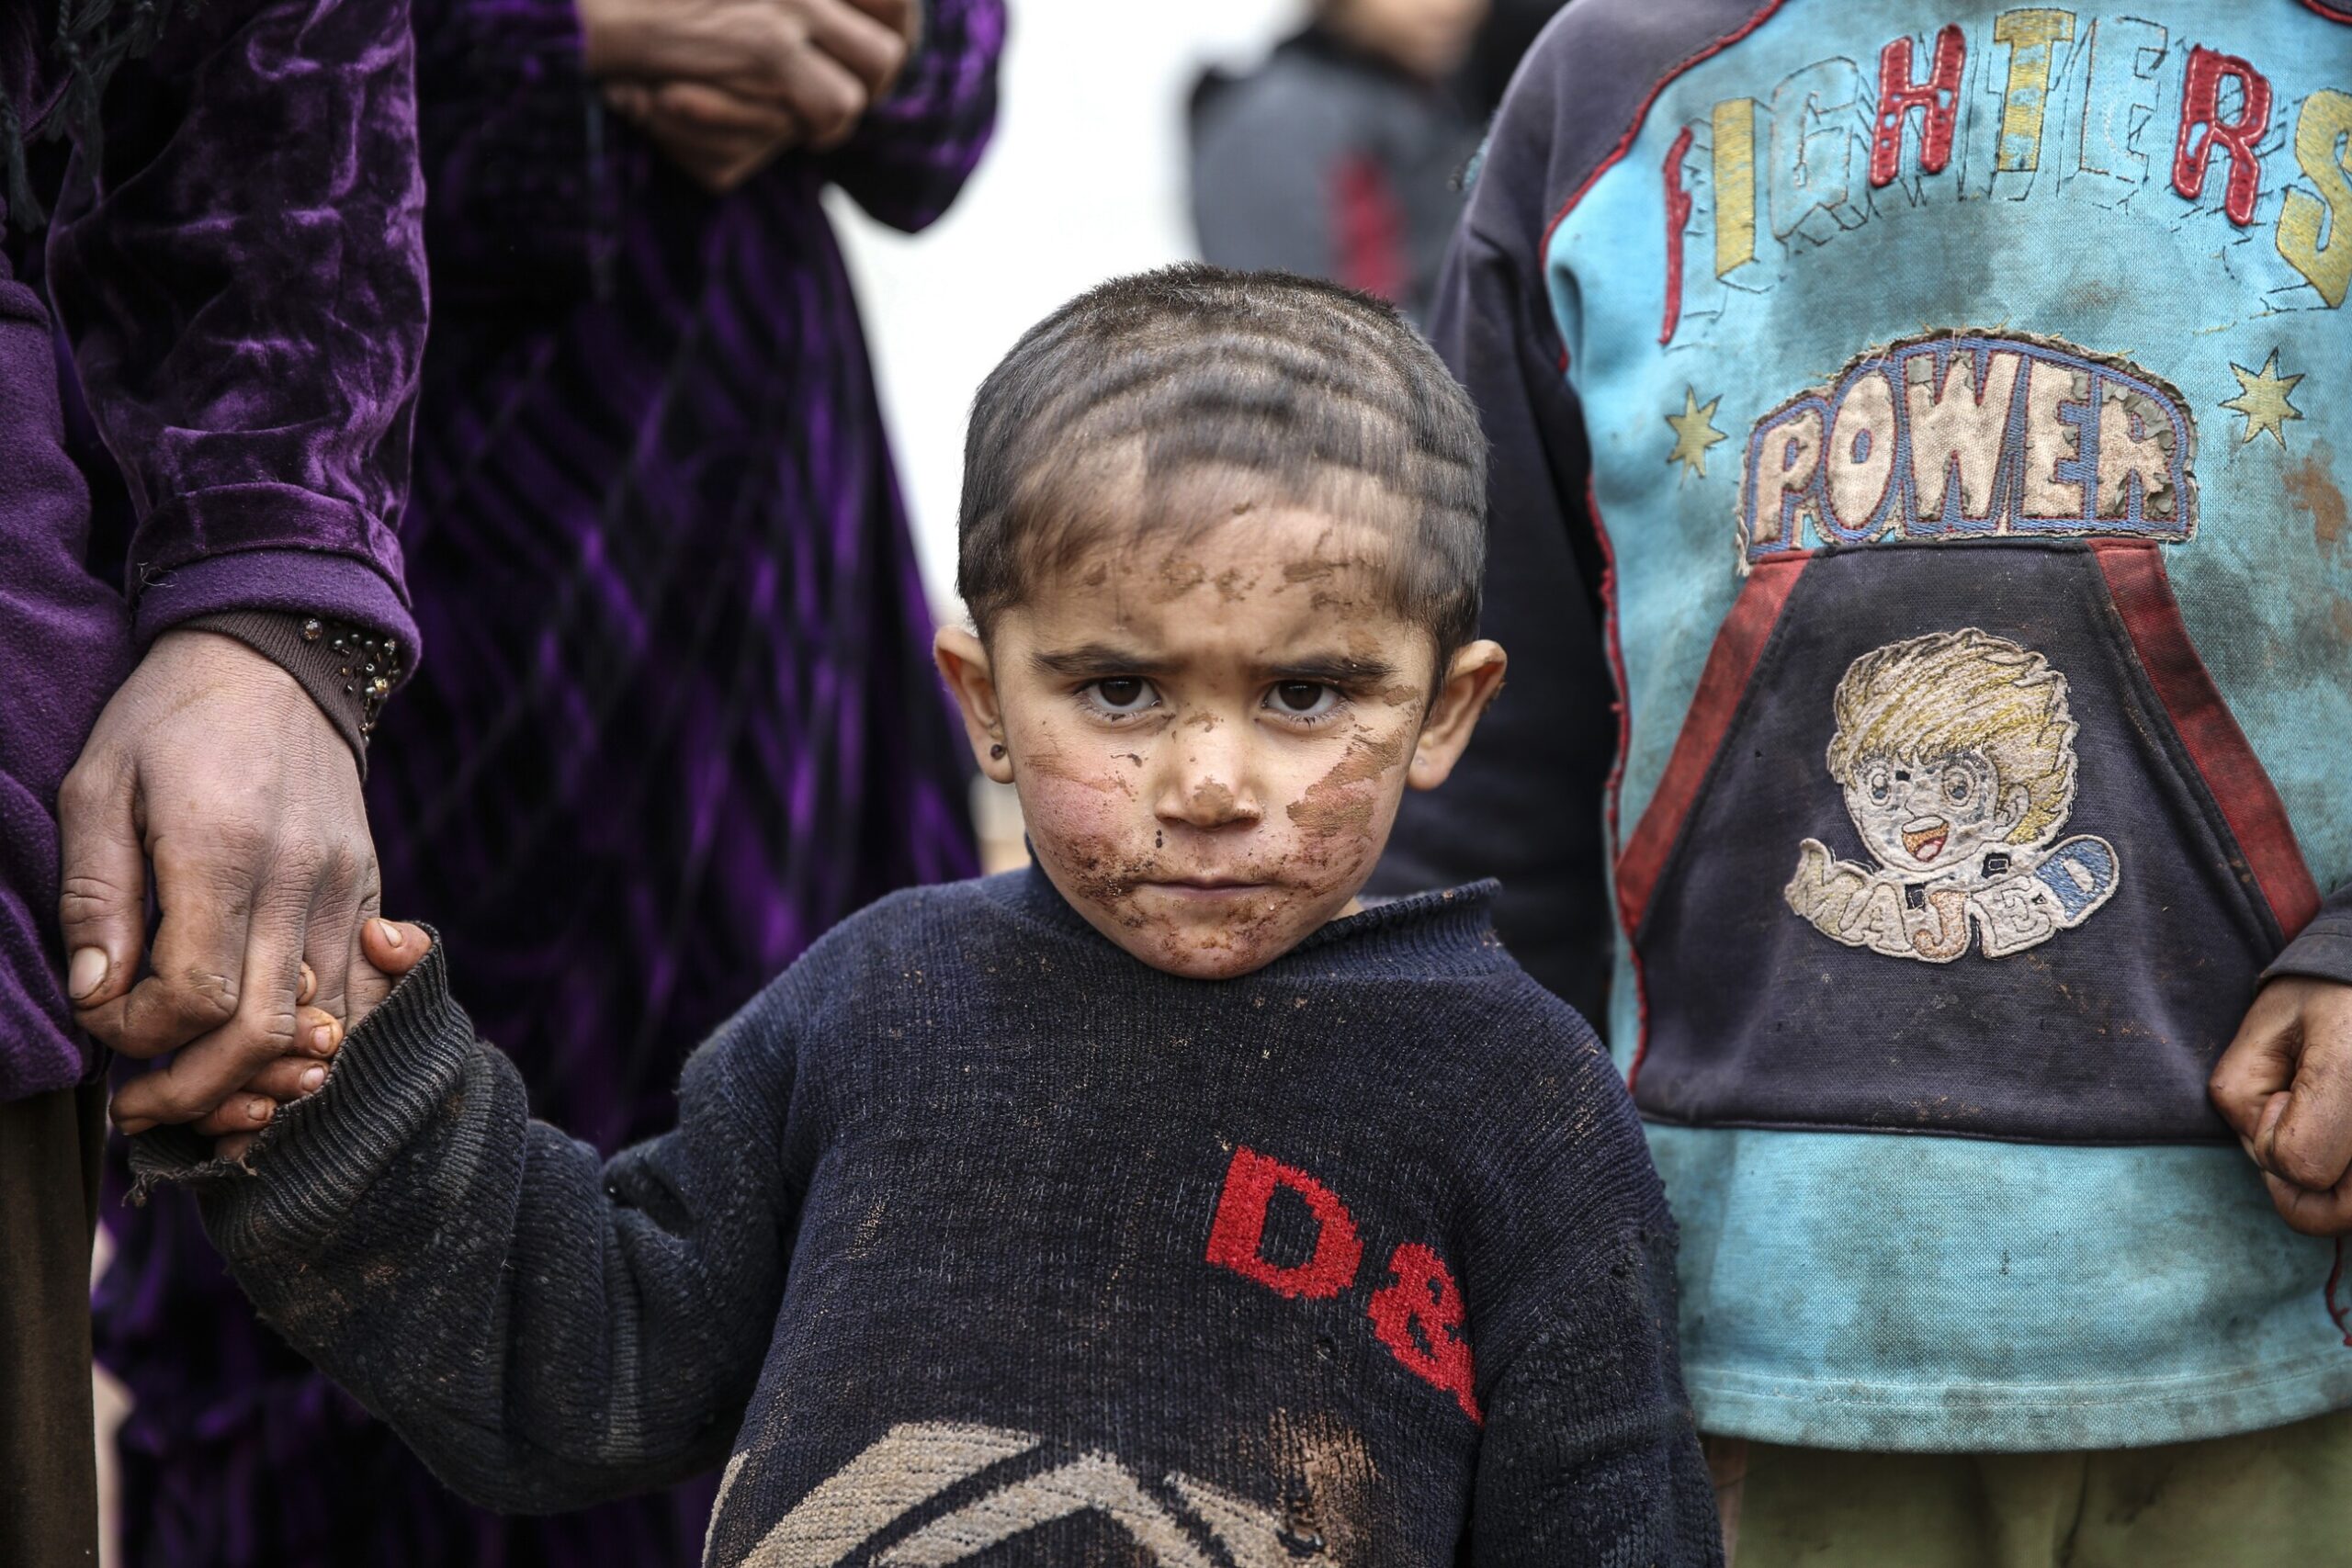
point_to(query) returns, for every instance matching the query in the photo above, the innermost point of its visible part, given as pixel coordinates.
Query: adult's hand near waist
(724, 86)
(214, 767)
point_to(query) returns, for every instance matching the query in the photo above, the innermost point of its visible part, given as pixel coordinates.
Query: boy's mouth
(1923, 840)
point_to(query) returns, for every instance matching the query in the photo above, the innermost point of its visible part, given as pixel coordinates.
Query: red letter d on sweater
(1240, 1229)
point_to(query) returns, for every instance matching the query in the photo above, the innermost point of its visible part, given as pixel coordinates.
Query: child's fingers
(317, 1034)
(233, 1146)
(309, 990)
(2261, 1060)
(243, 1111)
(394, 946)
(288, 1077)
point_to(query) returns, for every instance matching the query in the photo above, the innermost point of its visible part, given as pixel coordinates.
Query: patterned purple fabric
(677, 716)
(246, 303)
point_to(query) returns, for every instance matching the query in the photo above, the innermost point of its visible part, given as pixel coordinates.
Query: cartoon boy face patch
(1956, 753)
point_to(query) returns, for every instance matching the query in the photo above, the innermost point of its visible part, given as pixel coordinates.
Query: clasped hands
(723, 87)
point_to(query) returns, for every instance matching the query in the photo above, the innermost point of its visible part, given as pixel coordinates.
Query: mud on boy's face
(1210, 732)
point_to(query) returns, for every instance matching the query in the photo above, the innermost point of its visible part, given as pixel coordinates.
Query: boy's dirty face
(1210, 731)
(1932, 819)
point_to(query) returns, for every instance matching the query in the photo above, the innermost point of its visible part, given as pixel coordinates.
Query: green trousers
(2280, 1498)
(48, 1213)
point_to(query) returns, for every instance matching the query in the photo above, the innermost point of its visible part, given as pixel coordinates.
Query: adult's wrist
(349, 670)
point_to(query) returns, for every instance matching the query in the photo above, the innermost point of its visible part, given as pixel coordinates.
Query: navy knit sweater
(978, 1241)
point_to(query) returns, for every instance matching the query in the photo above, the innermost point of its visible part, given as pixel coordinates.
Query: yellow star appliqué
(2262, 398)
(1694, 432)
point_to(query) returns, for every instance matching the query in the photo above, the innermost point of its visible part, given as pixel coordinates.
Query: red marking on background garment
(1938, 98)
(2331, 13)
(1730, 663)
(1239, 1230)
(2216, 746)
(2200, 96)
(1423, 1294)
(1370, 224)
(1677, 213)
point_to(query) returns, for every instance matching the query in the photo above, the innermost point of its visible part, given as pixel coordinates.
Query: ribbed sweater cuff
(305, 1170)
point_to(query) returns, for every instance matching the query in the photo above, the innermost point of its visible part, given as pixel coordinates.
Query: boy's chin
(1197, 949)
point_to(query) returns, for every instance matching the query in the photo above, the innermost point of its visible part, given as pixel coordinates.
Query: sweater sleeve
(240, 271)
(2322, 950)
(1525, 803)
(913, 151)
(1590, 1455)
(544, 1328)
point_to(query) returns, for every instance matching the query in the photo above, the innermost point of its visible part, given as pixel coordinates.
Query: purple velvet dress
(675, 715)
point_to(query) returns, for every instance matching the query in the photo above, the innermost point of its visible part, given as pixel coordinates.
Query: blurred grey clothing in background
(1330, 161)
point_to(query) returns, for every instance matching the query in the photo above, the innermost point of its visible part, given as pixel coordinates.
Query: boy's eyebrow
(1337, 668)
(1094, 659)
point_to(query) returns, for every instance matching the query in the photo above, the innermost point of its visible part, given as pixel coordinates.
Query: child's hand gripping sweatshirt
(979, 1240)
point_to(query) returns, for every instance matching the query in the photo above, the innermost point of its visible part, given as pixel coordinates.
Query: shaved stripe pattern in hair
(1119, 408)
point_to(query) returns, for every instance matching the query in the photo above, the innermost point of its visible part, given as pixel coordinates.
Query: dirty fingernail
(257, 1109)
(312, 1078)
(390, 934)
(88, 969)
(322, 1039)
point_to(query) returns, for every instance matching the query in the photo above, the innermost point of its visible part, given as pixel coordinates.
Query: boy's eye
(1303, 699)
(1123, 694)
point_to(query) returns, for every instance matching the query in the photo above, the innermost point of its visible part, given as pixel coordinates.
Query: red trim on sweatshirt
(1730, 663)
(1614, 789)
(2217, 748)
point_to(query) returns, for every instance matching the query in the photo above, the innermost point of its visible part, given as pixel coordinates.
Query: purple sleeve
(2322, 950)
(523, 190)
(913, 151)
(243, 283)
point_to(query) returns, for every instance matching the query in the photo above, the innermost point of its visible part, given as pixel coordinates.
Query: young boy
(1939, 400)
(1157, 1204)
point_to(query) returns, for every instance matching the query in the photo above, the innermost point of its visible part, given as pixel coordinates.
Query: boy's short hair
(1967, 690)
(1151, 383)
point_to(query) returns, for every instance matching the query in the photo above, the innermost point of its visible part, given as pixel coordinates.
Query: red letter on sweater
(1240, 1229)
(1938, 98)
(2200, 96)
(1423, 1294)
(1677, 213)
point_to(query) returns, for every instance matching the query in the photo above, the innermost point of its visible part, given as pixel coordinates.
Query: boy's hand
(2285, 1084)
(391, 949)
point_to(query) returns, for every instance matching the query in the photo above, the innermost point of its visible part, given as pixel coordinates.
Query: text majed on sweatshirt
(978, 1239)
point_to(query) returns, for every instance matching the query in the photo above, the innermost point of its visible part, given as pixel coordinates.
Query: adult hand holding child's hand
(723, 87)
(2285, 1085)
(215, 766)
(391, 949)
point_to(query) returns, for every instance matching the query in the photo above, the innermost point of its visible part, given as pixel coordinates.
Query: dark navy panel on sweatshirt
(2103, 1031)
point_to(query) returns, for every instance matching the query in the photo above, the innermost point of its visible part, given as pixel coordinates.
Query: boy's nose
(1208, 788)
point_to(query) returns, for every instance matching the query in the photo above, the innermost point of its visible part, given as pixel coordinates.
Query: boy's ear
(963, 661)
(1471, 682)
